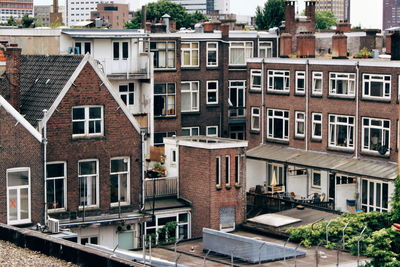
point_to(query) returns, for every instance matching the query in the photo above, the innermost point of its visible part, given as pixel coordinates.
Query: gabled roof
(18, 117)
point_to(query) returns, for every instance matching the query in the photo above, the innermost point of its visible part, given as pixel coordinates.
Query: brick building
(340, 8)
(115, 15)
(391, 17)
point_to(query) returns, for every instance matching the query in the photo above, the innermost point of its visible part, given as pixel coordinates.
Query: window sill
(255, 91)
(238, 185)
(56, 210)
(316, 187)
(190, 67)
(298, 137)
(341, 149)
(93, 207)
(277, 92)
(165, 69)
(255, 131)
(228, 187)
(376, 99)
(316, 95)
(115, 205)
(218, 187)
(278, 141)
(86, 138)
(375, 154)
(190, 112)
(316, 140)
(214, 105)
(341, 97)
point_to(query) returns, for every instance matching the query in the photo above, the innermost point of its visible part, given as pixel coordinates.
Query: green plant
(396, 201)
(271, 15)
(364, 53)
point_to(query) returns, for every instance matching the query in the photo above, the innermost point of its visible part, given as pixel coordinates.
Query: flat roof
(105, 33)
(206, 142)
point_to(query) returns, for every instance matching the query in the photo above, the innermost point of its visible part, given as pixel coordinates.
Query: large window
(218, 171)
(300, 82)
(376, 86)
(299, 124)
(317, 83)
(342, 84)
(255, 119)
(164, 54)
(237, 96)
(276, 170)
(316, 179)
(182, 230)
(255, 80)
(237, 169)
(120, 50)
(127, 93)
(341, 131)
(190, 96)
(278, 81)
(56, 185)
(82, 48)
(227, 170)
(239, 52)
(88, 183)
(265, 49)
(190, 54)
(87, 121)
(212, 54)
(120, 181)
(317, 126)
(212, 131)
(164, 99)
(190, 131)
(212, 92)
(18, 196)
(278, 124)
(374, 196)
(376, 135)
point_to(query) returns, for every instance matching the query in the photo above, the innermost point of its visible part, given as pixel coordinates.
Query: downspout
(142, 200)
(44, 140)
(262, 101)
(307, 117)
(356, 135)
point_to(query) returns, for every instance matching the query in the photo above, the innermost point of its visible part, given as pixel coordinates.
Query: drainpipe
(44, 140)
(307, 117)
(262, 100)
(356, 135)
(142, 200)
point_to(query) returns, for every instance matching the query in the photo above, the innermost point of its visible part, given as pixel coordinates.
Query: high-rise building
(205, 6)
(42, 12)
(340, 8)
(15, 8)
(391, 13)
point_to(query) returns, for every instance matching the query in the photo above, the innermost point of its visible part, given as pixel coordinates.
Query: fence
(161, 187)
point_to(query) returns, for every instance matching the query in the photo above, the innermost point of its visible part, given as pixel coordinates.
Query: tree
(11, 21)
(27, 22)
(157, 9)
(325, 20)
(271, 15)
(396, 201)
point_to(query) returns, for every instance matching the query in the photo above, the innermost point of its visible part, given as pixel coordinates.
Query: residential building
(205, 6)
(391, 14)
(114, 15)
(79, 11)
(42, 13)
(340, 8)
(15, 9)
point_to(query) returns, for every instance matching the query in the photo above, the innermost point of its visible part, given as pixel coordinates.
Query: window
(255, 119)
(376, 86)
(342, 179)
(341, 131)
(218, 171)
(212, 54)
(300, 82)
(182, 230)
(212, 92)
(237, 98)
(317, 126)
(190, 96)
(212, 131)
(276, 170)
(87, 121)
(88, 183)
(317, 83)
(173, 156)
(316, 179)
(278, 81)
(299, 124)
(190, 54)
(120, 181)
(227, 170)
(164, 99)
(255, 80)
(278, 124)
(127, 93)
(56, 185)
(190, 131)
(18, 196)
(89, 240)
(120, 50)
(265, 49)
(342, 84)
(239, 52)
(376, 135)
(374, 196)
(237, 169)
(82, 48)
(164, 54)
(159, 137)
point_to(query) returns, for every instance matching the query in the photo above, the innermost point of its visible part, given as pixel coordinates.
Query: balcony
(131, 68)
(160, 187)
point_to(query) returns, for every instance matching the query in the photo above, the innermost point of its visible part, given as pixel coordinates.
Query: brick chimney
(395, 46)
(389, 43)
(306, 45)
(343, 26)
(285, 45)
(310, 9)
(289, 16)
(339, 46)
(225, 31)
(13, 63)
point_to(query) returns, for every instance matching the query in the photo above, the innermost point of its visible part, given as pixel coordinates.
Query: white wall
(297, 184)
(255, 173)
(344, 192)
(324, 183)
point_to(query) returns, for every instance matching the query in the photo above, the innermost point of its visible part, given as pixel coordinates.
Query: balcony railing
(160, 187)
(131, 68)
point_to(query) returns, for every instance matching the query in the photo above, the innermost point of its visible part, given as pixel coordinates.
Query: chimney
(310, 10)
(339, 46)
(389, 43)
(306, 45)
(285, 45)
(224, 31)
(395, 46)
(343, 26)
(289, 15)
(144, 18)
(13, 63)
(166, 18)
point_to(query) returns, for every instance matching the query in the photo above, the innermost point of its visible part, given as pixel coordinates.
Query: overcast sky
(367, 13)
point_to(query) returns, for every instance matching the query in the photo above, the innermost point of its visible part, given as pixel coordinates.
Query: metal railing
(161, 187)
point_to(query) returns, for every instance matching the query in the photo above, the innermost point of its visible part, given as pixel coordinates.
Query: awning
(324, 161)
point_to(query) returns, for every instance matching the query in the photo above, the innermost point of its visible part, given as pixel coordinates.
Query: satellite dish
(382, 150)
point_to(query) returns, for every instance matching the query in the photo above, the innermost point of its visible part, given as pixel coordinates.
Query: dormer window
(87, 121)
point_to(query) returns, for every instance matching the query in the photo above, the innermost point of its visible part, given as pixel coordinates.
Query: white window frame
(300, 75)
(373, 207)
(317, 75)
(218, 171)
(271, 122)
(190, 129)
(212, 91)
(97, 204)
(267, 46)
(211, 127)
(167, 51)
(255, 116)
(64, 183)
(314, 123)
(193, 94)
(127, 93)
(227, 170)
(237, 169)
(382, 128)
(350, 78)
(128, 181)
(83, 49)
(387, 85)
(87, 120)
(213, 49)
(191, 50)
(312, 179)
(247, 47)
(121, 50)
(238, 88)
(350, 129)
(299, 120)
(18, 201)
(255, 73)
(169, 112)
(284, 74)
